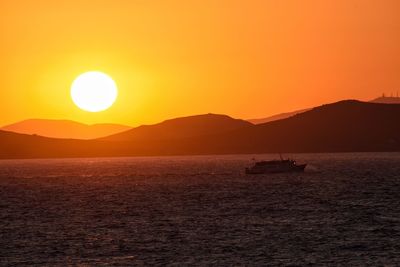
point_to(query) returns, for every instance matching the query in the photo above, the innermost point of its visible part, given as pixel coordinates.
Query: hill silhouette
(184, 127)
(387, 100)
(348, 125)
(344, 126)
(64, 129)
(276, 117)
(382, 99)
(144, 140)
(339, 127)
(16, 145)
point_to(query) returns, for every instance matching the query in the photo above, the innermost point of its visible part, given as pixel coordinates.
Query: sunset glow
(247, 59)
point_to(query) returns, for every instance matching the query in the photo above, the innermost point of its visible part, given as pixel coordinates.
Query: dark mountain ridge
(382, 99)
(64, 128)
(276, 117)
(387, 100)
(345, 126)
(184, 127)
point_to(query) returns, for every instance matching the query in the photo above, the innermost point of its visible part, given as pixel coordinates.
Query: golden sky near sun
(172, 58)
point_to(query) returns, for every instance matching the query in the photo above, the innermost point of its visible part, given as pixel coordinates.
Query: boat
(275, 166)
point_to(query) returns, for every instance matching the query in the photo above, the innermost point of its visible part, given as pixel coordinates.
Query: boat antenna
(280, 155)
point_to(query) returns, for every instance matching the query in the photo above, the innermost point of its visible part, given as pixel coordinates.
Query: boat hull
(296, 168)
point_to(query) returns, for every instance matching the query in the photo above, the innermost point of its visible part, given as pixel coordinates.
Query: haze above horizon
(175, 58)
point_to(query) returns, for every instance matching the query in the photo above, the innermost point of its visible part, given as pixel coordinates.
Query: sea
(344, 210)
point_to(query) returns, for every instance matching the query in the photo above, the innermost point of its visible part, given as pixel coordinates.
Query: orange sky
(172, 58)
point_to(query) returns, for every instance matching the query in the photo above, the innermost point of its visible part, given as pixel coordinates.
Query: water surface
(200, 210)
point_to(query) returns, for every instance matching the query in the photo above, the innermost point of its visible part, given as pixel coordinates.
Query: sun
(94, 91)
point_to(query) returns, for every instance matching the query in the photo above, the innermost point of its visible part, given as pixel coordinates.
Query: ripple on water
(344, 210)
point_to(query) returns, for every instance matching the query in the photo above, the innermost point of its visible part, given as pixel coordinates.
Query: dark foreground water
(344, 210)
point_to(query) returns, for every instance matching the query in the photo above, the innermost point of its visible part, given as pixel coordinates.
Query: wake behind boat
(275, 166)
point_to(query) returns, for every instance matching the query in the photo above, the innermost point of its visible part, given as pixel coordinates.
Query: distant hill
(387, 100)
(345, 126)
(179, 128)
(279, 116)
(16, 145)
(145, 140)
(64, 129)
